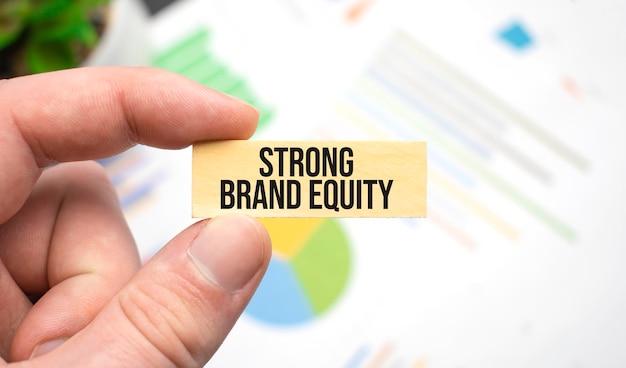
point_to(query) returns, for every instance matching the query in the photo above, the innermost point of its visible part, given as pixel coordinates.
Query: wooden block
(309, 178)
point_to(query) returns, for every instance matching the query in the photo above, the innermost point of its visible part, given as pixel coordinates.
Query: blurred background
(520, 262)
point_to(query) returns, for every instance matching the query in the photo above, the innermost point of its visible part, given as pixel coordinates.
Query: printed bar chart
(192, 58)
(409, 93)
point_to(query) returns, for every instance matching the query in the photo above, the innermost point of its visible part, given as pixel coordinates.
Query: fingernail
(241, 101)
(46, 347)
(229, 250)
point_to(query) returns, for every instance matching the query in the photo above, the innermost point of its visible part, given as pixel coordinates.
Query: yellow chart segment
(287, 240)
(308, 271)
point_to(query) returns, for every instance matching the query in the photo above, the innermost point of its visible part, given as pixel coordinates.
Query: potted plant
(38, 36)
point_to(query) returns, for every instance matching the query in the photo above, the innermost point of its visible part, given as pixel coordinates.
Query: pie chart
(308, 272)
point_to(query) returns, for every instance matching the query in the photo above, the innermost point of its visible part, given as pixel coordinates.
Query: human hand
(64, 240)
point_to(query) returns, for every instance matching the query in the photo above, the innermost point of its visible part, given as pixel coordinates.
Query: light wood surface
(309, 178)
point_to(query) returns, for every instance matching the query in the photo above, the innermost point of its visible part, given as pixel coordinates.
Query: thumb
(180, 306)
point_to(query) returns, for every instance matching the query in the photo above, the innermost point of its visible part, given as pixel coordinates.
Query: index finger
(91, 113)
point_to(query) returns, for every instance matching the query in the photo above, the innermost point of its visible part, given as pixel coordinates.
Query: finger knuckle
(164, 317)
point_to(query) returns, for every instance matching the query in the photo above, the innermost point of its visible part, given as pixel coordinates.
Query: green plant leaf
(73, 23)
(43, 57)
(87, 35)
(13, 16)
(45, 9)
(56, 30)
(90, 4)
(62, 26)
